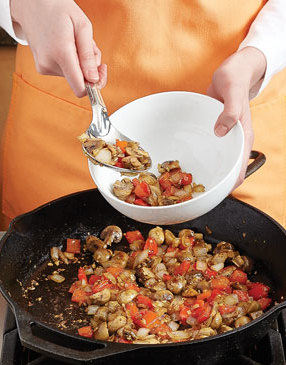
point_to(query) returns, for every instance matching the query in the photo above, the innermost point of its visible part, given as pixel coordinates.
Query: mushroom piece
(157, 234)
(122, 189)
(102, 332)
(111, 234)
(168, 165)
(93, 243)
(102, 255)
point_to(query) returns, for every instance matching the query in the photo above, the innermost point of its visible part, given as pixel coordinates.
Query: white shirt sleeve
(6, 21)
(268, 34)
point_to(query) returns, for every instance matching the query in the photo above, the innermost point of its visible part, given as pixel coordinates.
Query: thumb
(85, 49)
(230, 115)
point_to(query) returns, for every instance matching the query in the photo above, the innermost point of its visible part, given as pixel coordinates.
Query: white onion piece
(200, 250)
(142, 332)
(231, 299)
(92, 309)
(191, 321)
(104, 156)
(217, 267)
(54, 253)
(201, 265)
(180, 335)
(140, 257)
(173, 325)
(88, 271)
(57, 278)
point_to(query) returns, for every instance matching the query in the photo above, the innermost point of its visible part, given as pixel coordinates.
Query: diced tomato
(258, 290)
(122, 145)
(152, 246)
(206, 294)
(238, 276)
(201, 311)
(74, 285)
(186, 179)
(97, 287)
(162, 330)
(132, 309)
(172, 249)
(85, 331)
(79, 295)
(119, 164)
(170, 191)
(166, 277)
(183, 268)
(142, 190)
(146, 319)
(220, 282)
(144, 300)
(93, 279)
(185, 312)
(214, 294)
(82, 275)
(73, 245)
(115, 271)
(140, 202)
(242, 295)
(135, 181)
(164, 181)
(224, 309)
(132, 236)
(264, 302)
(209, 274)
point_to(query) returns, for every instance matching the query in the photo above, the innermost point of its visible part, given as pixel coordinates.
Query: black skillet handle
(259, 160)
(79, 355)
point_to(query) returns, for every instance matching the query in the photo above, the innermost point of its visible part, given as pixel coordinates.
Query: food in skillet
(123, 154)
(171, 187)
(166, 289)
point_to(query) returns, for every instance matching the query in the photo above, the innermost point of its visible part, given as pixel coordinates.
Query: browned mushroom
(111, 234)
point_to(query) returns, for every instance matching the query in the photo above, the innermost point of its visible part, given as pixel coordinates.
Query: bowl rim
(200, 196)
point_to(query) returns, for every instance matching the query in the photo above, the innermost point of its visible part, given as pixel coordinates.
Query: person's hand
(61, 39)
(234, 82)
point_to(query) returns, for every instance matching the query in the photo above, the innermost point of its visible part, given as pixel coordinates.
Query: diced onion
(201, 265)
(173, 325)
(104, 156)
(92, 309)
(231, 299)
(54, 253)
(142, 332)
(180, 335)
(217, 267)
(140, 257)
(191, 321)
(57, 278)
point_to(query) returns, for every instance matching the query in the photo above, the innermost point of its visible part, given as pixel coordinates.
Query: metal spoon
(101, 126)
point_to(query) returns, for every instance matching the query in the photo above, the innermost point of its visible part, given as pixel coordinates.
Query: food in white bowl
(177, 126)
(173, 186)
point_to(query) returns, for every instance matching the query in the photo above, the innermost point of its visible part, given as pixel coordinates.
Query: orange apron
(149, 46)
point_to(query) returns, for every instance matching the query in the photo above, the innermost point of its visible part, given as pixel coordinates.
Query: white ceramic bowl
(177, 126)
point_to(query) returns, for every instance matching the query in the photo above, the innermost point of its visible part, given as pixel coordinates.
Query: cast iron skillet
(26, 246)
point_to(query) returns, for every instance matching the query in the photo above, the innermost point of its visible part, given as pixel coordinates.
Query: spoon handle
(94, 95)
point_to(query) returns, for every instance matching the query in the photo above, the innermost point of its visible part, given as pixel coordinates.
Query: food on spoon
(169, 288)
(123, 154)
(171, 187)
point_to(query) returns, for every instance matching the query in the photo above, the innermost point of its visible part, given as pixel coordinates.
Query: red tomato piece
(151, 245)
(85, 331)
(258, 290)
(183, 268)
(73, 245)
(135, 181)
(188, 242)
(79, 296)
(132, 309)
(224, 309)
(142, 190)
(204, 313)
(238, 276)
(74, 286)
(242, 295)
(123, 340)
(132, 236)
(144, 300)
(185, 312)
(206, 294)
(133, 286)
(146, 319)
(164, 181)
(214, 294)
(167, 277)
(93, 279)
(186, 179)
(119, 164)
(162, 330)
(140, 202)
(209, 274)
(264, 302)
(122, 145)
(97, 287)
(220, 282)
(81, 274)
(115, 271)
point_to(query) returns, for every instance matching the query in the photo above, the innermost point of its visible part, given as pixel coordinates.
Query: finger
(102, 70)
(213, 94)
(72, 71)
(231, 113)
(85, 50)
(97, 53)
